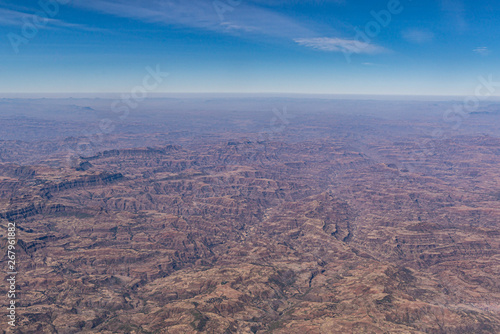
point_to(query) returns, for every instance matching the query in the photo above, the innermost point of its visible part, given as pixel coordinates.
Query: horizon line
(87, 95)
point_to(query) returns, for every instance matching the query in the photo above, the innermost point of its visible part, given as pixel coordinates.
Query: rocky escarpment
(15, 171)
(138, 153)
(45, 209)
(81, 183)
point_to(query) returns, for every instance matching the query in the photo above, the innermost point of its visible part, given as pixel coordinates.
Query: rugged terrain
(329, 224)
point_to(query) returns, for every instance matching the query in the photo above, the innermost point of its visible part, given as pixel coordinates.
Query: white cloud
(340, 45)
(203, 14)
(243, 18)
(368, 64)
(456, 13)
(17, 18)
(482, 50)
(418, 36)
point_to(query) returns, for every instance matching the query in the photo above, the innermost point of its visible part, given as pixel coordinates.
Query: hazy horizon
(199, 95)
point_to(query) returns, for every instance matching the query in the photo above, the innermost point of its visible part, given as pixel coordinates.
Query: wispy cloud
(10, 17)
(455, 12)
(482, 50)
(340, 45)
(418, 36)
(16, 18)
(237, 20)
(194, 13)
(201, 14)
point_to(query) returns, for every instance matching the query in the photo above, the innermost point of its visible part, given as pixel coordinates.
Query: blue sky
(389, 47)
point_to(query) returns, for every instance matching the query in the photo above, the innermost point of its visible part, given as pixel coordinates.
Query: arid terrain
(332, 218)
